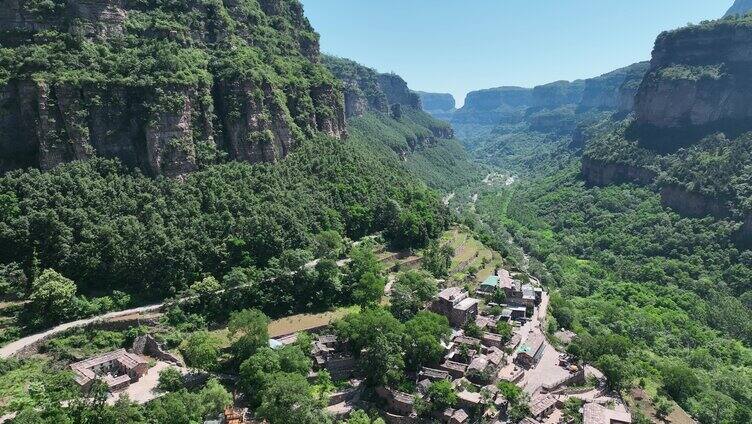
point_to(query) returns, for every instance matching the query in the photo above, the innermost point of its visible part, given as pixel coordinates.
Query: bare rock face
(700, 76)
(600, 173)
(156, 121)
(492, 105)
(396, 91)
(690, 203)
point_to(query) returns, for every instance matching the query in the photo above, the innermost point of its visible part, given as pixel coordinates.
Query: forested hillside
(123, 237)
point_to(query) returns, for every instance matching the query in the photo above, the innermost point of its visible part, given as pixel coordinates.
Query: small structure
(542, 406)
(396, 401)
(456, 304)
(514, 313)
(466, 310)
(333, 356)
(528, 295)
(529, 420)
(491, 339)
(592, 413)
(513, 342)
(455, 369)
(117, 369)
(489, 285)
(469, 400)
(530, 352)
(433, 374)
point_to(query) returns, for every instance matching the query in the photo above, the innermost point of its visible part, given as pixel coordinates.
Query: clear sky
(457, 46)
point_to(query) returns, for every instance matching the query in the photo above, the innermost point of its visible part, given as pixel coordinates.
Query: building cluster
(474, 365)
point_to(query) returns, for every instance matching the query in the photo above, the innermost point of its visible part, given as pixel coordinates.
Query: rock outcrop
(557, 94)
(740, 7)
(690, 203)
(438, 105)
(397, 92)
(203, 87)
(493, 105)
(614, 90)
(600, 173)
(700, 81)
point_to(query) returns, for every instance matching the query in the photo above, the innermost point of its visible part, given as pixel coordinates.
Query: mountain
(740, 7)
(526, 130)
(163, 86)
(439, 105)
(691, 128)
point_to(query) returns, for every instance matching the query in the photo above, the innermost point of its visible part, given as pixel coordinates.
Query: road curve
(13, 348)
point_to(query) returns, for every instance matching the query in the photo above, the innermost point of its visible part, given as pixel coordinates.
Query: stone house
(117, 369)
(592, 413)
(530, 352)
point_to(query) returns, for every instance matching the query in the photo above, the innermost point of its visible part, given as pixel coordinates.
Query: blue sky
(457, 46)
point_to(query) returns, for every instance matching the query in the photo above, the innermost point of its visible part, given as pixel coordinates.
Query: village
(476, 366)
(499, 361)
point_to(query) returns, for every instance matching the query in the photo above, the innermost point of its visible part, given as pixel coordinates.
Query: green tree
(360, 417)
(327, 244)
(369, 290)
(248, 330)
(441, 395)
(679, 381)
(362, 329)
(437, 259)
(663, 407)
(410, 293)
(382, 363)
(423, 336)
(201, 350)
(504, 330)
(288, 399)
(170, 380)
(615, 370)
(53, 299)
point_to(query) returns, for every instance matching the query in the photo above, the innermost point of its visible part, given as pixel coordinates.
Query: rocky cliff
(740, 7)
(492, 105)
(601, 173)
(700, 81)
(438, 105)
(163, 87)
(397, 92)
(614, 90)
(557, 94)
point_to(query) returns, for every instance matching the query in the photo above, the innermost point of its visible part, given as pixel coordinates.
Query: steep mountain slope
(165, 86)
(425, 143)
(692, 111)
(740, 7)
(438, 105)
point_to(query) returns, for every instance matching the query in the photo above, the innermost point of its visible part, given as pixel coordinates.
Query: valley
(205, 219)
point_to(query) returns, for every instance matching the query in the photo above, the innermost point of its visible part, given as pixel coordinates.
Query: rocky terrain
(740, 7)
(699, 82)
(165, 88)
(439, 105)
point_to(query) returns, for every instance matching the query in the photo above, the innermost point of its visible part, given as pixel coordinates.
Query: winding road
(13, 348)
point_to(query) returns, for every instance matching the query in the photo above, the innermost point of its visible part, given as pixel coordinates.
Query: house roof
(466, 304)
(541, 403)
(592, 413)
(491, 281)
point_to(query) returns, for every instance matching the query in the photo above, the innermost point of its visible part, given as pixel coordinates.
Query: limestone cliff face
(360, 85)
(397, 92)
(159, 121)
(557, 94)
(439, 105)
(700, 76)
(600, 173)
(614, 90)
(690, 203)
(494, 104)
